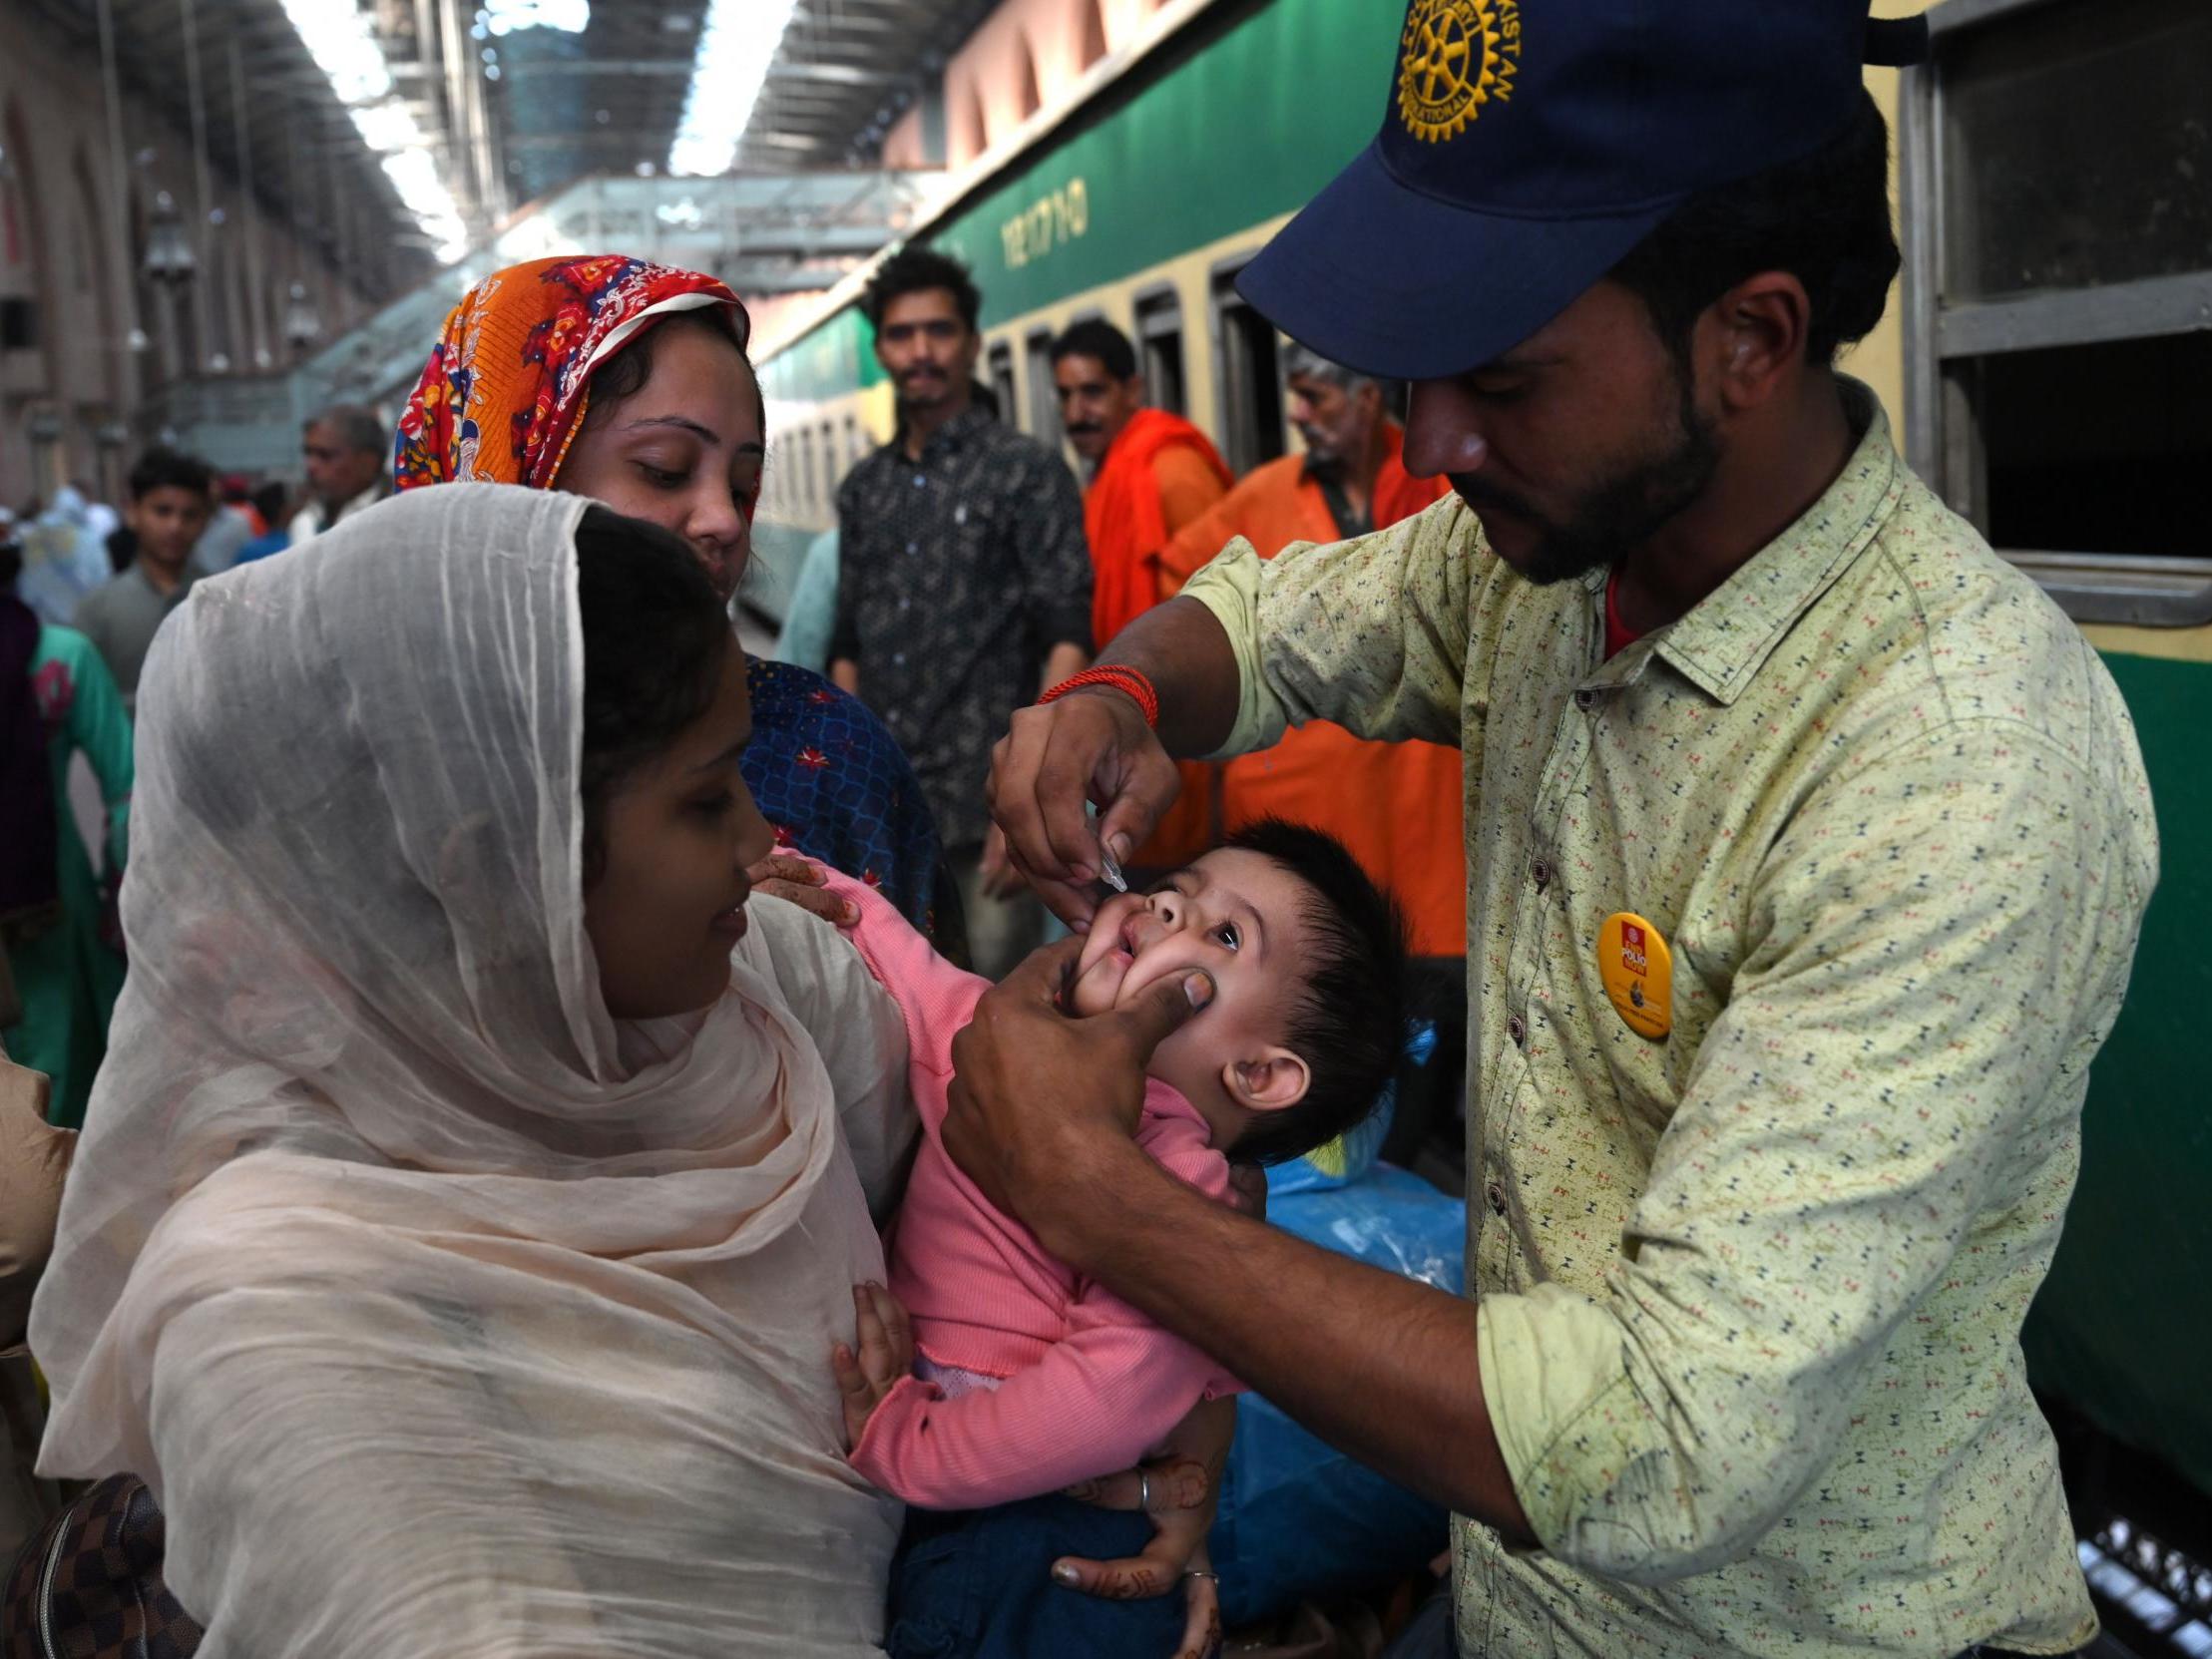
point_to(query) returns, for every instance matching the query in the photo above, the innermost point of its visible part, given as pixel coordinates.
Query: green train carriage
(2048, 360)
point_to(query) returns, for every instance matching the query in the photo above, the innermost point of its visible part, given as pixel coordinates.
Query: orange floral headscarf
(504, 392)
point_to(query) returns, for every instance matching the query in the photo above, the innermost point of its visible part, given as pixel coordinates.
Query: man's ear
(1268, 1081)
(1754, 336)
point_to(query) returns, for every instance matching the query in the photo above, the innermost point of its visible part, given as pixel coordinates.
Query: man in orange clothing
(1153, 474)
(1396, 805)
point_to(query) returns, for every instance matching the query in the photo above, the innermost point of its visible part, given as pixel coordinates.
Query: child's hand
(886, 1355)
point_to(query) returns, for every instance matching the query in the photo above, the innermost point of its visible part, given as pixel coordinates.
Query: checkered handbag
(90, 1586)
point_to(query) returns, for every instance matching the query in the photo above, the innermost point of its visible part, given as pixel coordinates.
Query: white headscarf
(443, 1314)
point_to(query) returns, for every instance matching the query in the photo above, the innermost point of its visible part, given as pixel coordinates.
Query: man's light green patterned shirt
(1751, 1292)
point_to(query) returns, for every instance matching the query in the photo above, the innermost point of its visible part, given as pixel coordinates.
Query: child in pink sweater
(1026, 1376)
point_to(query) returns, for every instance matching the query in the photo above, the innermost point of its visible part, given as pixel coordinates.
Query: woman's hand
(798, 880)
(886, 1342)
(1179, 1490)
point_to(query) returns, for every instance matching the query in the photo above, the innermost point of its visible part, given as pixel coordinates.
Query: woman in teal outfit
(65, 974)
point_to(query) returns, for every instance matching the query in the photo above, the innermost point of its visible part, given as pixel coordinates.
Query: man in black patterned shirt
(963, 586)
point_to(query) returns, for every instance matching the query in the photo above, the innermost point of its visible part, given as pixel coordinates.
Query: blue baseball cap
(1526, 148)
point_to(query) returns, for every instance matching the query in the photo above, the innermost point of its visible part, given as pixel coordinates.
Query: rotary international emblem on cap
(1455, 57)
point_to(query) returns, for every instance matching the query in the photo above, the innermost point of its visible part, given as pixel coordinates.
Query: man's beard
(1618, 512)
(1323, 460)
(923, 392)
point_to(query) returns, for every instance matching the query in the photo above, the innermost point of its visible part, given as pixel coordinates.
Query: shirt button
(1585, 701)
(898, 659)
(904, 603)
(913, 547)
(1540, 873)
(919, 481)
(1496, 1193)
(1517, 1029)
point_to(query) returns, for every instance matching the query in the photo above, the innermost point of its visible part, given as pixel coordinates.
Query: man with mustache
(1808, 845)
(964, 584)
(1396, 805)
(1153, 474)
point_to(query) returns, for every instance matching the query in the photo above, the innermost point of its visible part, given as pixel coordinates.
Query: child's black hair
(656, 637)
(1348, 1018)
(168, 468)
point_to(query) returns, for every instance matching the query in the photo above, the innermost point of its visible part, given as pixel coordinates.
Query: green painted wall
(1250, 124)
(2123, 1326)
(825, 362)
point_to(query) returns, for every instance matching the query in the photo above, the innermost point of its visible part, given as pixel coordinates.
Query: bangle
(1130, 682)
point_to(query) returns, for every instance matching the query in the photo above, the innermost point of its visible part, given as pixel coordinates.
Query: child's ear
(1269, 1081)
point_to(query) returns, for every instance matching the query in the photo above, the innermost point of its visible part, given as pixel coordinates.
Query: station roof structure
(400, 132)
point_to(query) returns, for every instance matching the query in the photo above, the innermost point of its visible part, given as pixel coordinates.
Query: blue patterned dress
(833, 783)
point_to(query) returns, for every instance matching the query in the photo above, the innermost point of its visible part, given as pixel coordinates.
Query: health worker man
(1806, 846)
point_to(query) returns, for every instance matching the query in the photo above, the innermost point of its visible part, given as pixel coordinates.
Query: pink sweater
(1090, 1384)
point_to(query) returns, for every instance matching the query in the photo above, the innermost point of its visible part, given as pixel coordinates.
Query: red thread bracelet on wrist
(1130, 682)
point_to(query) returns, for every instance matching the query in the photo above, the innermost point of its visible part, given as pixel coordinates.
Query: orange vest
(1128, 528)
(1396, 806)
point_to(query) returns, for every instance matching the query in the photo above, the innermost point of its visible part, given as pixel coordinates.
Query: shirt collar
(374, 493)
(190, 575)
(1726, 638)
(950, 436)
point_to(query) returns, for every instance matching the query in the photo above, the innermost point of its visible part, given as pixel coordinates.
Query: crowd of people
(959, 535)
(598, 1141)
(87, 588)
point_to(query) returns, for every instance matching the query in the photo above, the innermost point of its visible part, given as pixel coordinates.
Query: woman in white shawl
(444, 1311)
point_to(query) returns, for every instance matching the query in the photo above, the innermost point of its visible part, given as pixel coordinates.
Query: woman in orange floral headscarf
(629, 382)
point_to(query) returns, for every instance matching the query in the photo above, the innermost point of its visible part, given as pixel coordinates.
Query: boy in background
(172, 499)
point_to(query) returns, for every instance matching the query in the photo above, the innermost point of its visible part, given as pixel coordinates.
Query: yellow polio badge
(1639, 971)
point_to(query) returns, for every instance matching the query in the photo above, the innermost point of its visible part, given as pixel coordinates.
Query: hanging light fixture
(737, 40)
(343, 39)
(302, 324)
(169, 255)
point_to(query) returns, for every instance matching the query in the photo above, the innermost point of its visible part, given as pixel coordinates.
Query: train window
(998, 367)
(856, 446)
(2055, 288)
(1043, 399)
(833, 470)
(1247, 378)
(1159, 349)
(807, 494)
(18, 325)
